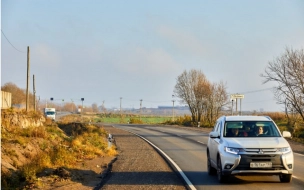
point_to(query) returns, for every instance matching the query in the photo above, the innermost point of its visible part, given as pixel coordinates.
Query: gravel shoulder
(139, 166)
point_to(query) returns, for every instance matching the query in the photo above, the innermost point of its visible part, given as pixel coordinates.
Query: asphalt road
(187, 148)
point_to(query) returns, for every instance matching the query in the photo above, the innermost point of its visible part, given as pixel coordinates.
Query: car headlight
(284, 150)
(232, 150)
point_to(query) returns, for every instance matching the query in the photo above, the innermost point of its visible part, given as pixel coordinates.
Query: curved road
(187, 148)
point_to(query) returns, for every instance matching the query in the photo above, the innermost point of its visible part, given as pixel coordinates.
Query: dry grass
(55, 146)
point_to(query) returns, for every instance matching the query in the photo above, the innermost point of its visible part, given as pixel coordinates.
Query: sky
(124, 51)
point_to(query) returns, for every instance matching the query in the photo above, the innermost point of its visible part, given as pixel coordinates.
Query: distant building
(175, 107)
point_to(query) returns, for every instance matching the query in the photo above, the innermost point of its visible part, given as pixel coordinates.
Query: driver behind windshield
(259, 130)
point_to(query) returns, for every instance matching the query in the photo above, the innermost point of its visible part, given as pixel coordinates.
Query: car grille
(265, 156)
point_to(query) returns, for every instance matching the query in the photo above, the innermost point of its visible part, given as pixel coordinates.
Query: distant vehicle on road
(249, 145)
(50, 113)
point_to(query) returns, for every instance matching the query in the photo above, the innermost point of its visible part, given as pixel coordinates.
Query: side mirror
(214, 134)
(286, 134)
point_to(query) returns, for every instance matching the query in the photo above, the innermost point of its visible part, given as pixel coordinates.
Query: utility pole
(173, 110)
(240, 106)
(34, 91)
(82, 99)
(173, 107)
(27, 78)
(236, 110)
(120, 106)
(140, 109)
(232, 107)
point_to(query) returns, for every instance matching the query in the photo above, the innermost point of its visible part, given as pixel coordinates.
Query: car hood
(259, 142)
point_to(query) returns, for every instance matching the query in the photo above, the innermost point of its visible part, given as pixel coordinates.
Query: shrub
(60, 156)
(276, 116)
(135, 121)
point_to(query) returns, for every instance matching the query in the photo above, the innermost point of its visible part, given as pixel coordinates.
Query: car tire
(221, 178)
(285, 178)
(211, 170)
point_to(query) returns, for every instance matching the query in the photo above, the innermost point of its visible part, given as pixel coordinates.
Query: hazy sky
(104, 50)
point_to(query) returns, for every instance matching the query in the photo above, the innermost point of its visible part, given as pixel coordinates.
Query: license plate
(260, 164)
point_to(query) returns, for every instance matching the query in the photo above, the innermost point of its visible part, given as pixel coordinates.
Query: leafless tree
(217, 99)
(95, 107)
(69, 106)
(204, 99)
(288, 72)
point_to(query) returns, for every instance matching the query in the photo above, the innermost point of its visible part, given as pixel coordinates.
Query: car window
(250, 129)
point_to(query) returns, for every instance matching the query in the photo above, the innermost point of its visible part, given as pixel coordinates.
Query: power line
(11, 43)
(248, 92)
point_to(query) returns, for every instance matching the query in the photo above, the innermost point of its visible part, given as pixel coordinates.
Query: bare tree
(217, 99)
(205, 100)
(95, 107)
(288, 72)
(191, 89)
(69, 106)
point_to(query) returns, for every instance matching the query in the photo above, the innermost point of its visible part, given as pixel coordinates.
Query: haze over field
(104, 50)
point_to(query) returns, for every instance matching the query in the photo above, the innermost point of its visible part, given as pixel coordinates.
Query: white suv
(249, 145)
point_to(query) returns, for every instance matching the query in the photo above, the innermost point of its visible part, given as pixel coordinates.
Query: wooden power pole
(34, 91)
(27, 78)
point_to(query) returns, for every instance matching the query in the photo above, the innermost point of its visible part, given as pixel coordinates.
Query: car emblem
(260, 151)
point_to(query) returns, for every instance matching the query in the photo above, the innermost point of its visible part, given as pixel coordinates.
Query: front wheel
(221, 178)
(285, 178)
(211, 170)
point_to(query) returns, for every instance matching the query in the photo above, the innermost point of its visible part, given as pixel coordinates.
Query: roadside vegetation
(289, 123)
(29, 151)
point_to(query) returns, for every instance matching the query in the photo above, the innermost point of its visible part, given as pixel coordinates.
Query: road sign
(237, 96)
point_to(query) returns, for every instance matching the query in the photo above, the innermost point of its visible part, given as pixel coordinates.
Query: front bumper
(239, 164)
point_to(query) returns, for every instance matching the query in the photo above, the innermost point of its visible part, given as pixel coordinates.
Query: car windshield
(50, 113)
(250, 129)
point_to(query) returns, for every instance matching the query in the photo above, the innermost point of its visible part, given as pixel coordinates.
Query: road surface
(187, 148)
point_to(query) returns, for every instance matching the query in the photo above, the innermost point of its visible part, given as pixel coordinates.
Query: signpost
(236, 97)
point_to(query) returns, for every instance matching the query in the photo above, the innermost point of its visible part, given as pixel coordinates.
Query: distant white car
(249, 145)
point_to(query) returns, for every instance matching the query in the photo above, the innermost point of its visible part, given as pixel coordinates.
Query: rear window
(250, 129)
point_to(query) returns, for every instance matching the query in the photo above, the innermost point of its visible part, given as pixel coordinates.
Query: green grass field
(125, 119)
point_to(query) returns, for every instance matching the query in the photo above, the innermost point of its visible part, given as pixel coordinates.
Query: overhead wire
(248, 92)
(11, 43)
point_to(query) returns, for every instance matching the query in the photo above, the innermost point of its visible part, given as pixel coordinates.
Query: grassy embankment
(62, 144)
